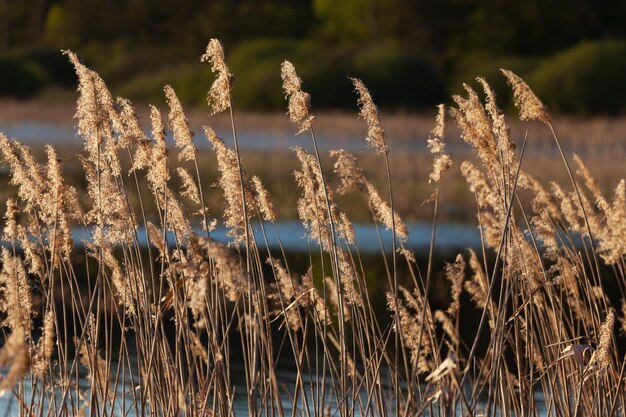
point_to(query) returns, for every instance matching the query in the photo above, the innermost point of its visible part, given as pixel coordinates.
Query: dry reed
(162, 327)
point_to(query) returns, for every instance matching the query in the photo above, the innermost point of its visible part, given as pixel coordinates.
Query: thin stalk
(505, 228)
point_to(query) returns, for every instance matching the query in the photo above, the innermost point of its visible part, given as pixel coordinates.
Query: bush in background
(586, 79)
(398, 78)
(20, 78)
(487, 66)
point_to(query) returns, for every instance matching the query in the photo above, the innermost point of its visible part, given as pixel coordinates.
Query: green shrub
(20, 78)
(395, 77)
(588, 78)
(258, 86)
(488, 67)
(58, 70)
(191, 83)
(256, 66)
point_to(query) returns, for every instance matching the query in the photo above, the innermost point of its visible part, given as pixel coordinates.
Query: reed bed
(189, 326)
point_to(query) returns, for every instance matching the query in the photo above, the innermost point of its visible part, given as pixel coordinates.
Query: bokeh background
(411, 54)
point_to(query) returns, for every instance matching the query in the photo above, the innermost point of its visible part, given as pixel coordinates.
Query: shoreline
(602, 131)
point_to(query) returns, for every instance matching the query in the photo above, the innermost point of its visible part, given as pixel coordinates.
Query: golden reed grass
(162, 329)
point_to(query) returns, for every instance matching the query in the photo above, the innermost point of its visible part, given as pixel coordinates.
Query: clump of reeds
(159, 316)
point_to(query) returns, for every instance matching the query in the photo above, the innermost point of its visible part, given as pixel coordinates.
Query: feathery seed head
(189, 186)
(474, 123)
(183, 136)
(313, 298)
(131, 132)
(312, 205)
(219, 93)
(353, 178)
(605, 342)
(435, 140)
(442, 162)
(263, 200)
(412, 326)
(613, 240)
(16, 349)
(17, 291)
(441, 165)
(45, 346)
(369, 112)
(10, 227)
(447, 325)
(97, 116)
(230, 183)
(299, 101)
(349, 279)
(590, 181)
(287, 294)
(455, 273)
(529, 105)
(478, 286)
(351, 175)
(156, 160)
(383, 214)
(156, 239)
(499, 127)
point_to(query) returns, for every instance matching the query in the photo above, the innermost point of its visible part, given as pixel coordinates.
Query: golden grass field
(188, 326)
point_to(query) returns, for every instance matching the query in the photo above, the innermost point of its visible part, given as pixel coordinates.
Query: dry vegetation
(167, 329)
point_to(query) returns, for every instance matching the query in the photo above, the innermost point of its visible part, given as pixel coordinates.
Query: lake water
(38, 134)
(123, 406)
(369, 237)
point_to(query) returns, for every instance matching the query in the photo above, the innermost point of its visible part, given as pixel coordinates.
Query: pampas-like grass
(183, 323)
(219, 93)
(299, 101)
(530, 107)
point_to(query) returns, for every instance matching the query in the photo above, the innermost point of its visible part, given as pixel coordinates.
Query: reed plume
(529, 105)
(44, 349)
(435, 144)
(369, 112)
(130, 130)
(17, 303)
(179, 125)
(189, 186)
(288, 295)
(353, 179)
(15, 351)
(157, 328)
(230, 176)
(219, 93)
(154, 157)
(410, 319)
(263, 201)
(299, 101)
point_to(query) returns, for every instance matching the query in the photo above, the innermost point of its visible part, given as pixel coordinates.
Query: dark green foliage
(396, 78)
(256, 66)
(488, 67)
(588, 78)
(190, 81)
(19, 78)
(58, 70)
(407, 52)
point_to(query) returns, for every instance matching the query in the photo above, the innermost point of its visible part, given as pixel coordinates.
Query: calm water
(37, 134)
(123, 405)
(292, 235)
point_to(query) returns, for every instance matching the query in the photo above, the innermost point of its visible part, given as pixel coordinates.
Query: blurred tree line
(136, 44)
(444, 26)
